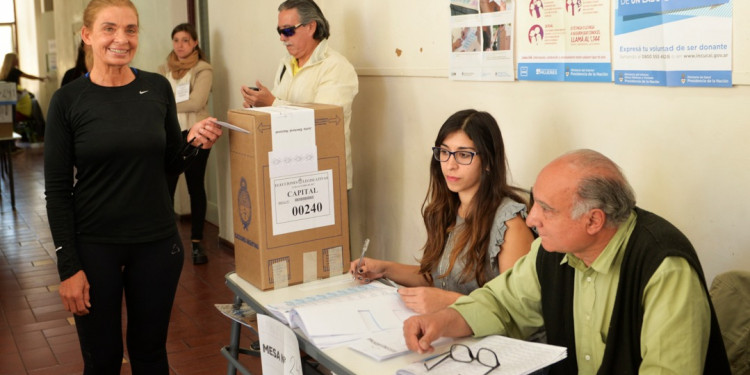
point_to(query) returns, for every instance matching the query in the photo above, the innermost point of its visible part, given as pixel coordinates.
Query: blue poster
(673, 43)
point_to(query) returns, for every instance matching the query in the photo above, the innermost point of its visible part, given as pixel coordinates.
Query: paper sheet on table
(388, 344)
(279, 347)
(515, 357)
(340, 317)
(352, 317)
(345, 321)
(283, 310)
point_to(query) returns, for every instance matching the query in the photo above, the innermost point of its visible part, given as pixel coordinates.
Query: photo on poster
(482, 40)
(466, 39)
(501, 37)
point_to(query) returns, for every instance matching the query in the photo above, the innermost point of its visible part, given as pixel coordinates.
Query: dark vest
(652, 240)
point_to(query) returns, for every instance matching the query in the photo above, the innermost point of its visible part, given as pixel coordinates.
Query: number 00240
(307, 209)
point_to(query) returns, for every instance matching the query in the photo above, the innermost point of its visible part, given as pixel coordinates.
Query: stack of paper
(346, 315)
(516, 357)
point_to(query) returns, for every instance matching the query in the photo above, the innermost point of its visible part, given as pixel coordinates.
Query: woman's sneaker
(199, 256)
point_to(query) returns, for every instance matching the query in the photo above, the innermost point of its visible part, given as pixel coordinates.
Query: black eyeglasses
(462, 157)
(462, 353)
(289, 31)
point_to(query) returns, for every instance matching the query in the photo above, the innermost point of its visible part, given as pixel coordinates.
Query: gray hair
(608, 190)
(309, 11)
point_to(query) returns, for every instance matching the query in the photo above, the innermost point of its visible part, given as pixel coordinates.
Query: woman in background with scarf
(191, 77)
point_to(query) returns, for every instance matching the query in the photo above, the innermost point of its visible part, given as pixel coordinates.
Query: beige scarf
(179, 68)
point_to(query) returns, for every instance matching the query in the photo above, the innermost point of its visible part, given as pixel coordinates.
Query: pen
(391, 282)
(364, 250)
(434, 356)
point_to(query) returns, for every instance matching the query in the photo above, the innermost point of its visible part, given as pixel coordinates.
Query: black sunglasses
(288, 31)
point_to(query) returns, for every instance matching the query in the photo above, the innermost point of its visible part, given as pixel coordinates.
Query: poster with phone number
(564, 40)
(673, 43)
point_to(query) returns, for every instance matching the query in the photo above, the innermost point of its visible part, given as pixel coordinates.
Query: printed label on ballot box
(303, 201)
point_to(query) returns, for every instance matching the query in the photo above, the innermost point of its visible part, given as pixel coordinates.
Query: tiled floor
(36, 334)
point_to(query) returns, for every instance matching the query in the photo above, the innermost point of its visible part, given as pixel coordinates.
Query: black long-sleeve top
(121, 142)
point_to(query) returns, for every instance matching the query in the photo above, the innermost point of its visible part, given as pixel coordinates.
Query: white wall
(683, 149)
(33, 33)
(68, 18)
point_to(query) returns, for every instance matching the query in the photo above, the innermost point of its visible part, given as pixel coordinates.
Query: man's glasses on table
(289, 31)
(462, 353)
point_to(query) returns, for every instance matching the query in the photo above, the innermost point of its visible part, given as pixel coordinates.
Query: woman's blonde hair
(89, 14)
(10, 61)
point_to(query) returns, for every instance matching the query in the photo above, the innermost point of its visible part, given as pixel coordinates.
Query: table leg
(10, 176)
(234, 341)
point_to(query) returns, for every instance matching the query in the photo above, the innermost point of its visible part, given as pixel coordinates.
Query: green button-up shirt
(676, 318)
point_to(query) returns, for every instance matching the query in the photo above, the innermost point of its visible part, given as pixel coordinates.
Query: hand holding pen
(366, 270)
(362, 269)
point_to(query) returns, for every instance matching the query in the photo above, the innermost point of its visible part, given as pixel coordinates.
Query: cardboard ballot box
(8, 98)
(7, 113)
(290, 209)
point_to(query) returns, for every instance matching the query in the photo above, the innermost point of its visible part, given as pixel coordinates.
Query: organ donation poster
(673, 42)
(564, 40)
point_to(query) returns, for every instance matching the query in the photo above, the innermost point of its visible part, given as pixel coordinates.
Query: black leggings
(148, 274)
(194, 177)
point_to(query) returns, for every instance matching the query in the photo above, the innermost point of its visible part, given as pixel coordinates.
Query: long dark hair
(190, 29)
(440, 206)
(81, 59)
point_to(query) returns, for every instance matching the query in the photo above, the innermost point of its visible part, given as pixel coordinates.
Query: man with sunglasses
(312, 72)
(621, 288)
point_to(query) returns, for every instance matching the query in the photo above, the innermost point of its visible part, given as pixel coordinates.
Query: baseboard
(226, 243)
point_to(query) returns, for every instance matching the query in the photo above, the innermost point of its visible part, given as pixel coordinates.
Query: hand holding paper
(230, 126)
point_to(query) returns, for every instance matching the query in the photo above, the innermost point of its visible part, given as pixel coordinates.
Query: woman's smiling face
(113, 37)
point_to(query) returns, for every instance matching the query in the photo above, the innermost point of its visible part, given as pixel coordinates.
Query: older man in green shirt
(620, 287)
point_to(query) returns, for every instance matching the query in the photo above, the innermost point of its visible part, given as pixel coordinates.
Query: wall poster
(673, 42)
(564, 40)
(482, 40)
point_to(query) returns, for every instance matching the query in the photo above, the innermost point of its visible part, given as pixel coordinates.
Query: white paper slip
(387, 344)
(230, 126)
(280, 350)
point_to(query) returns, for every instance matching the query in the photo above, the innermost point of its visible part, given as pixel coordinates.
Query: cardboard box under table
(289, 224)
(8, 98)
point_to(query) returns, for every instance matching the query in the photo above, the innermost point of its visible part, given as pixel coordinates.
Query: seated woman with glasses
(474, 218)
